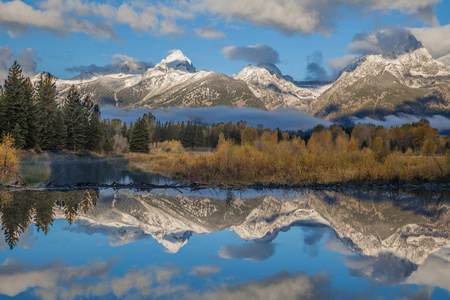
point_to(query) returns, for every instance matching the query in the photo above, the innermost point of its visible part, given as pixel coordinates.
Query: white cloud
(308, 16)
(394, 38)
(337, 64)
(315, 70)
(27, 58)
(19, 18)
(260, 54)
(435, 39)
(208, 32)
(61, 17)
(118, 61)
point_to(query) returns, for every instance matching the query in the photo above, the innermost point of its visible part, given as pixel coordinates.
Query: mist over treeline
(285, 119)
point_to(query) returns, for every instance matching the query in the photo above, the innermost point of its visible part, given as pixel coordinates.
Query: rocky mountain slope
(377, 85)
(172, 82)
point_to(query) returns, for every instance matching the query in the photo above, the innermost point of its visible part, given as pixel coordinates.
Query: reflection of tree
(18, 209)
(16, 217)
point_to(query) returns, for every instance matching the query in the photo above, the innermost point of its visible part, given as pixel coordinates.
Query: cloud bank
(259, 54)
(310, 16)
(284, 119)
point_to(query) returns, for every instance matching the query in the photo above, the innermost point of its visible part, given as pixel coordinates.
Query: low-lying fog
(285, 119)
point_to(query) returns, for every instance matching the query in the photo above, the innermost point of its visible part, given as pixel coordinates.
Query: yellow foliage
(8, 158)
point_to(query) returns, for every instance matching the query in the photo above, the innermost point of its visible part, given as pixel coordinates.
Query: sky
(308, 40)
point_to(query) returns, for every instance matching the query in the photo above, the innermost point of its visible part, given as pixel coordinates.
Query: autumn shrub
(8, 159)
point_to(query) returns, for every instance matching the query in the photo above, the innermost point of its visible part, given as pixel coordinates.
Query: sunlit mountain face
(225, 243)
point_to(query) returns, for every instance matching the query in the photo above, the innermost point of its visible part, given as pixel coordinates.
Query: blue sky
(219, 35)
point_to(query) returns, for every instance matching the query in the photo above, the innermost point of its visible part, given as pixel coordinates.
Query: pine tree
(139, 138)
(47, 114)
(199, 138)
(17, 135)
(31, 138)
(94, 133)
(75, 121)
(13, 101)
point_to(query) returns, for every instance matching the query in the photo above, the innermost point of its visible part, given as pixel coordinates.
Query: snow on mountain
(177, 61)
(275, 90)
(381, 84)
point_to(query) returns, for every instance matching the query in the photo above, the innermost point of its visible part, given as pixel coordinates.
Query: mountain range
(407, 80)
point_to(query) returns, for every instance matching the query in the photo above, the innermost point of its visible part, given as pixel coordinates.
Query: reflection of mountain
(171, 220)
(394, 232)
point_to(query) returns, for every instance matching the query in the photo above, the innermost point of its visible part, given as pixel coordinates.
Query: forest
(32, 119)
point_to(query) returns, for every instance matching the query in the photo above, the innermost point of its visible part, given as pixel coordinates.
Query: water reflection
(99, 171)
(392, 238)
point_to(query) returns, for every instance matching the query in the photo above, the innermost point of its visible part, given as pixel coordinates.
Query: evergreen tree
(139, 138)
(19, 140)
(75, 121)
(13, 107)
(31, 138)
(94, 133)
(199, 138)
(60, 130)
(48, 137)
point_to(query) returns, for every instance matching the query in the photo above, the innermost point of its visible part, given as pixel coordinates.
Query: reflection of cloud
(56, 281)
(255, 252)
(386, 268)
(117, 236)
(312, 237)
(279, 286)
(336, 245)
(204, 271)
(435, 270)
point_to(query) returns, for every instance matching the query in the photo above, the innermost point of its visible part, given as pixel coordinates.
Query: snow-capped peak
(272, 69)
(178, 61)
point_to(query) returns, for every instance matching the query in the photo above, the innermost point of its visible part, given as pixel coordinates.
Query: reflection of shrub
(8, 158)
(35, 170)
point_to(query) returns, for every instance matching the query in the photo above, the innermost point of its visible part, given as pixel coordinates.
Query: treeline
(417, 137)
(35, 120)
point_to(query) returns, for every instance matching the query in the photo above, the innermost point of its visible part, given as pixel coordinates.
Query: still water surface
(216, 244)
